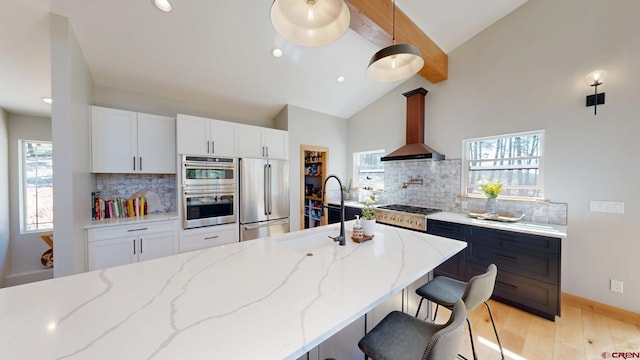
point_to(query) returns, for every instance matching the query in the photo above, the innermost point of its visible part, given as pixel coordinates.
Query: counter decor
(368, 219)
(492, 190)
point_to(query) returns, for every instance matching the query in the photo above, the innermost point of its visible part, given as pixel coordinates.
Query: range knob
(410, 221)
(400, 218)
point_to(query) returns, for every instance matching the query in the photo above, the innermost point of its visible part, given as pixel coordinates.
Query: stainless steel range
(410, 217)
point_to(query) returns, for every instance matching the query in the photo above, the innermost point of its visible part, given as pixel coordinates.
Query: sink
(309, 243)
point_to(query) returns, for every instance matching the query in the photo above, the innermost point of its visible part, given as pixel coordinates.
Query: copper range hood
(415, 147)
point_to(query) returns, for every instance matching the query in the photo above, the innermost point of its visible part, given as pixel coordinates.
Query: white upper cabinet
(259, 142)
(129, 142)
(208, 137)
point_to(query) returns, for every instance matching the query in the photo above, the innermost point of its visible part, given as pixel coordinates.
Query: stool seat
(443, 290)
(400, 336)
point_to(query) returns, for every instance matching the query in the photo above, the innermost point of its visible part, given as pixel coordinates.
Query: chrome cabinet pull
(208, 147)
(140, 163)
(134, 246)
(139, 229)
(134, 163)
(212, 237)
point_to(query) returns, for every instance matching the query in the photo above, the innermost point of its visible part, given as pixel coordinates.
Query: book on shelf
(117, 208)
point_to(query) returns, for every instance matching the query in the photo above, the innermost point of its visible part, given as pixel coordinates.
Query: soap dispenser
(358, 232)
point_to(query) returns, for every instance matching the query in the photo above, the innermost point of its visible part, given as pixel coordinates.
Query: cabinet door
(223, 138)
(276, 143)
(113, 252)
(192, 135)
(158, 245)
(250, 141)
(156, 144)
(113, 140)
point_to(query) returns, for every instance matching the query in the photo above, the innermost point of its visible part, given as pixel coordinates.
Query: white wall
(135, 101)
(72, 89)
(527, 72)
(25, 249)
(307, 127)
(4, 195)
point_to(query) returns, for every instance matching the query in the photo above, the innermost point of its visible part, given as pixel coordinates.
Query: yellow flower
(492, 189)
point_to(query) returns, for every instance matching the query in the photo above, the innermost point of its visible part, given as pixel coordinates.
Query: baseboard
(28, 277)
(602, 309)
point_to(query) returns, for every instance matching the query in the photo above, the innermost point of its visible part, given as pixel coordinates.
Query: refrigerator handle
(266, 189)
(270, 189)
(270, 223)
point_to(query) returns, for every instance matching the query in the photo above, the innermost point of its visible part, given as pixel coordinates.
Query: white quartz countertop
(260, 299)
(173, 215)
(557, 231)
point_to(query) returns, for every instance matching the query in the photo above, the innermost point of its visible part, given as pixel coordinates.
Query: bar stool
(444, 291)
(400, 336)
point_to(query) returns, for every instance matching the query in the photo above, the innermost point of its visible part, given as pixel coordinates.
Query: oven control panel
(405, 220)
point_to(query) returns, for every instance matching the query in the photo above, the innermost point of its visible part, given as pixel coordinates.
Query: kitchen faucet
(340, 238)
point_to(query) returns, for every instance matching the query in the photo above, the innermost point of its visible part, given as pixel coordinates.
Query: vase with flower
(492, 190)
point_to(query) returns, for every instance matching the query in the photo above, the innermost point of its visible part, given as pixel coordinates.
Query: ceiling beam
(373, 20)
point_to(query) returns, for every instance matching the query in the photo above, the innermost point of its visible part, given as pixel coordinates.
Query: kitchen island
(271, 298)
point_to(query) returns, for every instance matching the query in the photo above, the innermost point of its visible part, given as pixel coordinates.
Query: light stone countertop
(172, 215)
(260, 299)
(557, 231)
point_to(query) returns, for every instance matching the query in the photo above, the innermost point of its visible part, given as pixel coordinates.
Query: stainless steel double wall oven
(209, 191)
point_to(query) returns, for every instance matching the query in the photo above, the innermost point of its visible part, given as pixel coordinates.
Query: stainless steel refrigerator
(263, 197)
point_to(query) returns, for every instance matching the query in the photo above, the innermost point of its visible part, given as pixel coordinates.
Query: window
(368, 169)
(514, 159)
(36, 179)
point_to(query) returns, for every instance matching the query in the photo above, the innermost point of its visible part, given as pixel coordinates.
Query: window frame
(356, 172)
(22, 179)
(466, 161)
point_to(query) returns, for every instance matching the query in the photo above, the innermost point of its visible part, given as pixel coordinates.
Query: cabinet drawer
(533, 264)
(446, 229)
(530, 295)
(141, 228)
(208, 237)
(511, 240)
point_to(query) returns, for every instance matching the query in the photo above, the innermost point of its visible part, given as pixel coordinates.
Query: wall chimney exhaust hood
(415, 147)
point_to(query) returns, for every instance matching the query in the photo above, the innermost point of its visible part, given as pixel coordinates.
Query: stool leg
(494, 329)
(419, 305)
(473, 347)
(435, 313)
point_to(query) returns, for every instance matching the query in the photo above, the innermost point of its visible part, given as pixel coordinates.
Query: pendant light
(395, 62)
(310, 22)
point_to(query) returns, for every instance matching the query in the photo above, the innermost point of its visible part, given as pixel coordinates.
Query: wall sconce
(595, 79)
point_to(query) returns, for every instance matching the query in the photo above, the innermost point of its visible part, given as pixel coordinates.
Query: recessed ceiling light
(47, 100)
(163, 5)
(277, 52)
(340, 79)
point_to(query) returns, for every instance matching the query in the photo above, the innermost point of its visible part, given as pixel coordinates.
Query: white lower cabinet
(200, 238)
(125, 244)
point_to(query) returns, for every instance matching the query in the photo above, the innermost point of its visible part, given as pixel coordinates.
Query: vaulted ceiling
(218, 53)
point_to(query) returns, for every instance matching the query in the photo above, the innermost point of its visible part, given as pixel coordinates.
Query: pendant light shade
(310, 22)
(395, 62)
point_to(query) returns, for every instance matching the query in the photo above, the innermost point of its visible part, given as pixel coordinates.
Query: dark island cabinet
(528, 265)
(349, 213)
(455, 266)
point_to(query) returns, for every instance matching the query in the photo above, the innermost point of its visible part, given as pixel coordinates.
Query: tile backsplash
(112, 186)
(440, 188)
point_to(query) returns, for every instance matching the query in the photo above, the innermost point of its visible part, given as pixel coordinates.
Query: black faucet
(340, 238)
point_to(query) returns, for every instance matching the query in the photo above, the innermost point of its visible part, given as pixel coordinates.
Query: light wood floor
(578, 334)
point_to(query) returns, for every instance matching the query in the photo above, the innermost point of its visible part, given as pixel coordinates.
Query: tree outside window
(514, 159)
(368, 170)
(36, 185)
